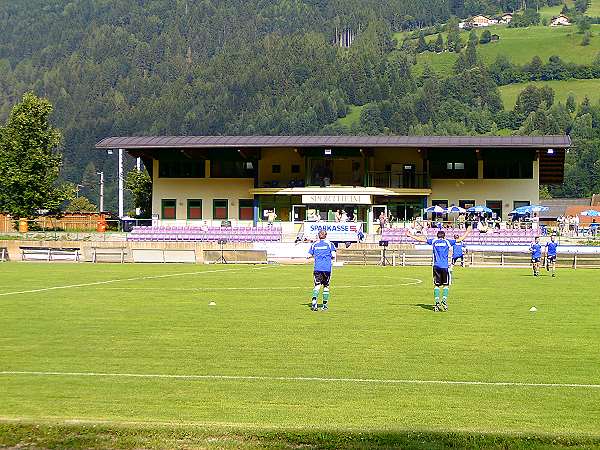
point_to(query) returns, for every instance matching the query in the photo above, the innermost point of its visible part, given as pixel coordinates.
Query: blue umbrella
(434, 209)
(455, 209)
(479, 209)
(522, 210)
(590, 213)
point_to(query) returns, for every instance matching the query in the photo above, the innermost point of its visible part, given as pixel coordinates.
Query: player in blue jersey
(536, 255)
(551, 255)
(458, 252)
(441, 275)
(323, 253)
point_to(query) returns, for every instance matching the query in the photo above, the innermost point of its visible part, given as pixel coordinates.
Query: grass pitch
(134, 356)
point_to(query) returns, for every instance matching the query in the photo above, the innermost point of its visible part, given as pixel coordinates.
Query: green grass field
(130, 356)
(520, 45)
(562, 89)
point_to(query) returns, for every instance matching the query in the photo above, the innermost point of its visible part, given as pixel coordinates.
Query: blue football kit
(536, 251)
(441, 250)
(322, 251)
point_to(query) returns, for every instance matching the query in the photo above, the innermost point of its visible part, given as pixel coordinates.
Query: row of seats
(208, 234)
(492, 237)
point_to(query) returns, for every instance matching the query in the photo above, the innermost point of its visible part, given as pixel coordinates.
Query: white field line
(118, 280)
(302, 379)
(272, 288)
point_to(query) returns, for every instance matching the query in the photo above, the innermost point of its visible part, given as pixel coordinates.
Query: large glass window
(168, 208)
(519, 203)
(231, 169)
(246, 209)
(495, 206)
(194, 209)
(181, 169)
(220, 209)
(504, 164)
(466, 204)
(452, 163)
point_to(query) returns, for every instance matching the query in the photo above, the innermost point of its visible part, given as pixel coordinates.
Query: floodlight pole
(138, 165)
(120, 183)
(101, 191)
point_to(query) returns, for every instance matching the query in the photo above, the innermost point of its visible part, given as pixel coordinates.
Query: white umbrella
(435, 209)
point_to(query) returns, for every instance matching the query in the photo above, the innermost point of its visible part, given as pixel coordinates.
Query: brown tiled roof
(142, 142)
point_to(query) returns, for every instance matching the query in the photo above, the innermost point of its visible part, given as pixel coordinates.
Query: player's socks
(325, 297)
(436, 295)
(445, 295)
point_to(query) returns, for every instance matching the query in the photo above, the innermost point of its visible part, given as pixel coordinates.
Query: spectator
(271, 216)
(382, 222)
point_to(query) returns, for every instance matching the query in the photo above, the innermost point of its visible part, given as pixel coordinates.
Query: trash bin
(23, 226)
(127, 224)
(101, 228)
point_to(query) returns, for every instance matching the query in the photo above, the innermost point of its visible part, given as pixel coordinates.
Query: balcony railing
(398, 180)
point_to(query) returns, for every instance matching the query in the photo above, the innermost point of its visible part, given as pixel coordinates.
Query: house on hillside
(481, 21)
(560, 20)
(506, 18)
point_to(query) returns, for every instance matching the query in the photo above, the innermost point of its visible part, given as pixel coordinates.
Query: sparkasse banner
(336, 231)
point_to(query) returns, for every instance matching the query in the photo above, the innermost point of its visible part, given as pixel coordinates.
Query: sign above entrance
(348, 199)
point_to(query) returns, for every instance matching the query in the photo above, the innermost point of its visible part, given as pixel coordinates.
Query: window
(442, 203)
(246, 209)
(502, 164)
(231, 169)
(495, 206)
(220, 209)
(295, 168)
(194, 209)
(466, 204)
(455, 166)
(519, 203)
(180, 169)
(452, 163)
(168, 208)
(276, 168)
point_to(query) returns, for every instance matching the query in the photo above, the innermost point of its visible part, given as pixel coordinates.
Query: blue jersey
(457, 250)
(441, 249)
(551, 248)
(323, 252)
(536, 250)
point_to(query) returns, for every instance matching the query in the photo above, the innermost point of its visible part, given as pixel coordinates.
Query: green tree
(584, 24)
(486, 37)
(81, 204)
(571, 106)
(30, 161)
(586, 38)
(438, 45)
(140, 185)
(421, 44)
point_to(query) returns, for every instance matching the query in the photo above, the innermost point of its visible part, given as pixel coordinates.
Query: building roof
(155, 142)
(558, 206)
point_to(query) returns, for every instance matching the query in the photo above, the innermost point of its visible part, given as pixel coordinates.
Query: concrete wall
(481, 190)
(285, 157)
(206, 189)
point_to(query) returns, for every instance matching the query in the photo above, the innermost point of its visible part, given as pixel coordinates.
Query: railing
(398, 180)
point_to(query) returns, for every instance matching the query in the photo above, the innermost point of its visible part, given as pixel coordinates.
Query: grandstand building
(240, 178)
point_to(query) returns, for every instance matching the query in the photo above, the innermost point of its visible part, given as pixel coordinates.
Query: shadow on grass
(96, 436)
(424, 306)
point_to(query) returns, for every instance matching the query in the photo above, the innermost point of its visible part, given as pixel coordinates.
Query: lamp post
(101, 191)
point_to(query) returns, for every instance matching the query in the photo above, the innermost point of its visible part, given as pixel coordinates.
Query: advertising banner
(336, 231)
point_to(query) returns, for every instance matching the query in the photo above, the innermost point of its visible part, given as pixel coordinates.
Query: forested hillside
(122, 67)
